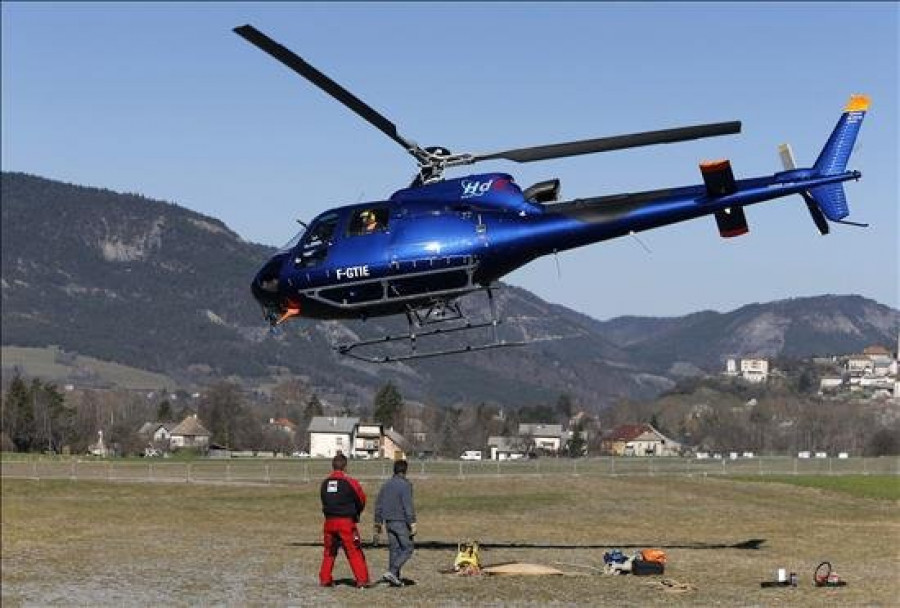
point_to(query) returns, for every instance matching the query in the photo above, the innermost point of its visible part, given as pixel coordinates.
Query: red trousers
(341, 531)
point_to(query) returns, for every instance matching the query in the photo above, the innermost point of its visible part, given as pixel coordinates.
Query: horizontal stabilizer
(732, 222)
(718, 177)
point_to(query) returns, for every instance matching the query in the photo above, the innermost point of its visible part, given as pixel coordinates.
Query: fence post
(268, 479)
(187, 475)
(759, 462)
(795, 466)
(151, 472)
(34, 472)
(498, 468)
(306, 472)
(460, 470)
(422, 463)
(865, 471)
(612, 465)
(830, 471)
(228, 472)
(109, 470)
(74, 476)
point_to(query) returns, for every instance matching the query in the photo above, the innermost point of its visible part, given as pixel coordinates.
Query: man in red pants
(343, 501)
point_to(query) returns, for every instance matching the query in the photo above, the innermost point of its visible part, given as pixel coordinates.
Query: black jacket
(342, 496)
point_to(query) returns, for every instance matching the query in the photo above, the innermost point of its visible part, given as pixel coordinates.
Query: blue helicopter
(427, 245)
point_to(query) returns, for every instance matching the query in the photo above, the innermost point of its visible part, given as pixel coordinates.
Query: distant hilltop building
(874, 372)
(751, 370)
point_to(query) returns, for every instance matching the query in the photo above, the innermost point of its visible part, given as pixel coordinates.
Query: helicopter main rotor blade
(617, 142)
(297, 64)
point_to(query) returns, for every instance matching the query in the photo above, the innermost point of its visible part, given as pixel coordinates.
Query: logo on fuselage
(477, 188)
(353, 272)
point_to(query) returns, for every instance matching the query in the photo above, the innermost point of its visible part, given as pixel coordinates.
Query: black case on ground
(640, 567)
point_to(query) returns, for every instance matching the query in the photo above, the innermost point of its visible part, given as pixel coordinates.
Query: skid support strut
(439, 321)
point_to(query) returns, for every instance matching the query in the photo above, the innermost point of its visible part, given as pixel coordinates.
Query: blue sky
(164, 100)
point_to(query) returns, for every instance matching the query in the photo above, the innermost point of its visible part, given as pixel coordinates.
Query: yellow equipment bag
(468, 560)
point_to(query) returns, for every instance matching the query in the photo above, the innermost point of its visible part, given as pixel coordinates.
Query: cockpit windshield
(293, 242)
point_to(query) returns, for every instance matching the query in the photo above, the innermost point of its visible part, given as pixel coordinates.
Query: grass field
(110, 544)
(884, 487)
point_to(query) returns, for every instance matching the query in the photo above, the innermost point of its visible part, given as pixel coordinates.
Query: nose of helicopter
(266, 290)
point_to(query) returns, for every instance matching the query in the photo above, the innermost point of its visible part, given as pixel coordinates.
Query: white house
(755, 370)
(751, 370)
(731, 367)
(830, 383)
(158, 433)
(367, 441)
(859, 365)
(329, 435)
(546, 437)
(506, 448)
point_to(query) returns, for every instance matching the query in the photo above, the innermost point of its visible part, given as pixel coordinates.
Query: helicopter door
(316, 243)
(362, 256)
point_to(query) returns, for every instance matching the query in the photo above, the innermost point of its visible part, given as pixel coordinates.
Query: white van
(471, 455)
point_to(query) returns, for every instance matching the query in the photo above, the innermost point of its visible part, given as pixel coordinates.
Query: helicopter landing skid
(422, 318)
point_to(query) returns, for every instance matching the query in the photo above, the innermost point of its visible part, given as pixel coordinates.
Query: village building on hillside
(750, 369)
(639, 440)
(874, 371)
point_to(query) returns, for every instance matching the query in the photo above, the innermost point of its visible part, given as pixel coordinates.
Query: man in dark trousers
(395, 514)
(343, 501)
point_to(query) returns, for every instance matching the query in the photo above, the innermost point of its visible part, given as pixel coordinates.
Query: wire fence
(295, 471)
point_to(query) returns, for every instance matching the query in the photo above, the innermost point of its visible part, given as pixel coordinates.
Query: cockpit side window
(317, 240)
(369, 220)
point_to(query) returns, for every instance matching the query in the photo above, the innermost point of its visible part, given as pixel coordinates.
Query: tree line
(709, 414)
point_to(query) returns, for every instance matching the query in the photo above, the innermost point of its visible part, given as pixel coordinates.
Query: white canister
(782, 575)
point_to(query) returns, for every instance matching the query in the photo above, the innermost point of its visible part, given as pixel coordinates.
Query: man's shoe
(331, 584)
(392, 580)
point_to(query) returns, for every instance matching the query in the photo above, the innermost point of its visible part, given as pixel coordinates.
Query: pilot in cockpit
(368, 222)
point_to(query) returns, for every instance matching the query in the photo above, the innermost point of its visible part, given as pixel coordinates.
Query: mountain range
(152, 285)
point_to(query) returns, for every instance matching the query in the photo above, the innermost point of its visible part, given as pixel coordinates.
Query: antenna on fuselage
(633, 235)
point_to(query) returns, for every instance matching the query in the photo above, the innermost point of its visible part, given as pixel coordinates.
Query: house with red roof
(639, 440)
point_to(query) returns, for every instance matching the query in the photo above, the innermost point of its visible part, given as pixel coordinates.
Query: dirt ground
(73, 543)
